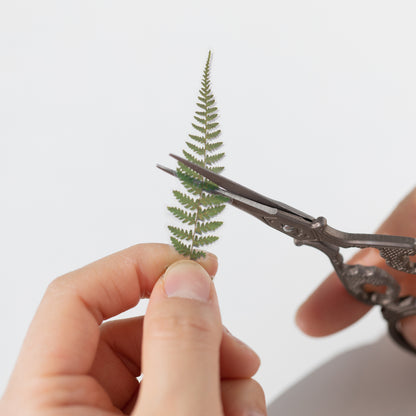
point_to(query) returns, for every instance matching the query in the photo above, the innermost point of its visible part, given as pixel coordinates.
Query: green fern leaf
(195, 255)
(186, 173)
(203, 241)
(199, 128)
(209, 200)
(181, 234)
(216, 169)
(205, 227)
(199, 204)
(192, 158)
(198, 150)
(209, 160)
(207, 213)
(198, 139)
(211, 126)
(199, 119)
(213, 146)
(213, 134)
(183, 249)
(184, 216)
(212, 117)
(185, 200)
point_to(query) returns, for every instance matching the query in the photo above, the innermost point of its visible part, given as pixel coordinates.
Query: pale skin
(72, 363)
(330, 308)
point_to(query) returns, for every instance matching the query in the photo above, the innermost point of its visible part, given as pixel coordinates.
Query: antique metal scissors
(315, 232)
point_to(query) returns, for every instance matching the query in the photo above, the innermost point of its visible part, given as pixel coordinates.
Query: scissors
(315, 232)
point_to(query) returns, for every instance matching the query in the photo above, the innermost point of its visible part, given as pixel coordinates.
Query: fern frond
(199, 128)
(182, 215)
(211, 126)
(199, 119)
(198, 150)
(209, 200)
(185, 200)
(209, 160)
(213, 134)
(192, 158)
(195, 255)
(205, 227)
(203, 241)
(207, 213)
(210, 147)
(181, 248)
(179, 233)
(200, 204)
(198, 139)
(185, 173)
(216, 169)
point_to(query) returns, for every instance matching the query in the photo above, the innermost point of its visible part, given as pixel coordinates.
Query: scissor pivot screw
(319, 222)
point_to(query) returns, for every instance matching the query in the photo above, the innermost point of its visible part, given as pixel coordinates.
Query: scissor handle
(393, 313)
(399, 259)
(394, 308)
(361, 282)
(396, 250)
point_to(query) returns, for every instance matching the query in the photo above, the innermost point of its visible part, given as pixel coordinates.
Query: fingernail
(187, 279)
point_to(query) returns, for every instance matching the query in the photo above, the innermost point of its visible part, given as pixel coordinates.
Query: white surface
(317, 103)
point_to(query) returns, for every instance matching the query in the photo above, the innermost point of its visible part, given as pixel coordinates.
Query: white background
(317, 106)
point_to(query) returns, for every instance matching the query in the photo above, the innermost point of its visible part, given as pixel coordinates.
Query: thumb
(181, 342)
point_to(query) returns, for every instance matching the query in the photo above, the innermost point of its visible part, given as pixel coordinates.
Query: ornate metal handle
(359, 280)
(398, 258)
(355, 278)
(393, 312)
(394, 308)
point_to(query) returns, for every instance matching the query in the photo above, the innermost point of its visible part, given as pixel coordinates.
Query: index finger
(63, 336)
(330, 308)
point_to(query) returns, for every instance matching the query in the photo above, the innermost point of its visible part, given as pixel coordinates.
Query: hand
(330, 308)
(73, 364)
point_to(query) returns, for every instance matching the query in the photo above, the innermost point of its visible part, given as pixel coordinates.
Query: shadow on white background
(376, 379)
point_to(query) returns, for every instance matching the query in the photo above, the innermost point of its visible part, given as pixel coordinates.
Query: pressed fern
(198, 206)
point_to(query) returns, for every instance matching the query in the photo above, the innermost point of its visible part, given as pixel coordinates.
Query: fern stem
(206, 76)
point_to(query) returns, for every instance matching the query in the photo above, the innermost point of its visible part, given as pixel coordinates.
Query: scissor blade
(236, 200)
(241, 190)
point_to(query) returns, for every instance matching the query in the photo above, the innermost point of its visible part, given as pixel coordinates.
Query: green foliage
(199, 206)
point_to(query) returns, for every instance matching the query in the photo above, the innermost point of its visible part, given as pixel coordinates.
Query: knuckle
(60, 285)
(57, 285)
(243, 396)
(184, 327)
(257, 390)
